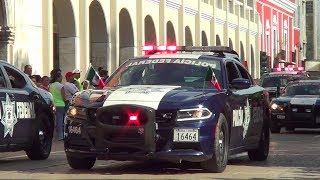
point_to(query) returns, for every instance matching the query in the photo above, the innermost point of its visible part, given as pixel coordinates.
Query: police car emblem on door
(9, 118)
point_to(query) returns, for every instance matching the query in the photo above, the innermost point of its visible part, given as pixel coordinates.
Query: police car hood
(158, 96)
(300, 99)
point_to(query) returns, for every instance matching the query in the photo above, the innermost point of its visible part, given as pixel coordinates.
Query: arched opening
(218, 42)
(98, 36)
(188, 36)
(64, 36)
(242, 53)
(126, 36)
(150, 35)
(204, 39)
(252, 62)
(171, 35)
(230, 43)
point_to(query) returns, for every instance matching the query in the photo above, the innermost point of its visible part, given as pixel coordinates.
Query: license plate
(185, 135)
(281, 116)
(74, 130)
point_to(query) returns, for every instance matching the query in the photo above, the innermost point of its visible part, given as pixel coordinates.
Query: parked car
(199, 105)
(27, 114)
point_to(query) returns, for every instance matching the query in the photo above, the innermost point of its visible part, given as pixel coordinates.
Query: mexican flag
(94, 78)
(211, 77)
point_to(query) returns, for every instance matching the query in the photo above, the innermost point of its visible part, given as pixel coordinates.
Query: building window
(274, 53)
(231, 6)
(268, 44)
(252, 15)
(219, 3)
(205, 1)
(309, 7)
(242, 11)
(285, 44)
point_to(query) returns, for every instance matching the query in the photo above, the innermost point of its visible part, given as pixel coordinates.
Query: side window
(232, 71)
(16, 79)
(244, 73)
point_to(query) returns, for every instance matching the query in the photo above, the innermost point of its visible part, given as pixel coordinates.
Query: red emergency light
(287, 69)
(133, 118)
(162, 49)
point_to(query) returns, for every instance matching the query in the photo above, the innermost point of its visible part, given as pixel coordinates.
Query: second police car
(198, 105)
(298, 107)
(275, 81)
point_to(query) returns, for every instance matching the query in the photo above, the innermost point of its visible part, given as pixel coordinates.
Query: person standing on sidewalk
(70, 88)
(58, 93)
(76, 77)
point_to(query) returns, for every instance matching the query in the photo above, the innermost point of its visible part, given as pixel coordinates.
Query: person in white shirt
(69, 87)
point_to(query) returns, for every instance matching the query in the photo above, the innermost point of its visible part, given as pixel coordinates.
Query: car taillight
(283, 91)
(172, 48)
(147, 48)
(161, 48)
(279, 69)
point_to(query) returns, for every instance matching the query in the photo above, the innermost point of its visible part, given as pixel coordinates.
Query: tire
(275, 128)
(219, 160)
(81, 163)
(42, 140)
(262, 152)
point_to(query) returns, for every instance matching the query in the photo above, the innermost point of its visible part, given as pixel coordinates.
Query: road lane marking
(20, 156)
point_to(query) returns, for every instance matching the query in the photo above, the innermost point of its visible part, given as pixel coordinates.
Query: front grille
(301, 109)
(120, 116)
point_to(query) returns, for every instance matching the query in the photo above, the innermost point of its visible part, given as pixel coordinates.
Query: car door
(17, 99)
(253, 113)
(236, 101)
(4, 90)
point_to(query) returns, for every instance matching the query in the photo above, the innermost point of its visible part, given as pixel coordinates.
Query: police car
(298, 107)
(27, 116)
(196, 104)
(275, 81)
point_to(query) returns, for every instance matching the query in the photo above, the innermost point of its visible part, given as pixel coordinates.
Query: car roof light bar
(214, 49)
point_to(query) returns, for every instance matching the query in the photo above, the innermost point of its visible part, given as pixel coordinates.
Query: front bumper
(106, 139)
(298, 116)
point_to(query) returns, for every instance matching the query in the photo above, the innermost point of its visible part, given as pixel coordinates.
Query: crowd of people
(61, 92)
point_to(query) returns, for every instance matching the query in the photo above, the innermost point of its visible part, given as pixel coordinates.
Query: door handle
(11, 96)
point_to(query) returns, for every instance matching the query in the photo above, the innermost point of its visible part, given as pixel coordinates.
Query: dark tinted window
(303, 89)
(177, 72)
(2, 80)
(244, 73)
(282, 80)
(232, 71)
(16, 79)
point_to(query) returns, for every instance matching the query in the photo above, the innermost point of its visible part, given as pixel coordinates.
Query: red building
(278, 38)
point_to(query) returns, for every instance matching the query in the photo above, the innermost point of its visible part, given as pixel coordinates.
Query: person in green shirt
(58, 94)
(76, 77)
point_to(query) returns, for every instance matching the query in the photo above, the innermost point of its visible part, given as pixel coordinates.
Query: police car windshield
(274, 81)
(179, 72)
(303, 89)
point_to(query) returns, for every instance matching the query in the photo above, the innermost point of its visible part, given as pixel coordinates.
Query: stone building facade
(74, 33)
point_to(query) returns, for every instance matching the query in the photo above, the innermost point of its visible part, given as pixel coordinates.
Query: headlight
(277, 107)
(193, 114)
(77, 112)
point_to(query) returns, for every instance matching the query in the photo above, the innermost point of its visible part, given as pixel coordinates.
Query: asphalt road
(292, 156)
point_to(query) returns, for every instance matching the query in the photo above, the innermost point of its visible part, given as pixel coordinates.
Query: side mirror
(240, 83)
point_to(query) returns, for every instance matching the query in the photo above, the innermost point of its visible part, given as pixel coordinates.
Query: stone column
(6, 42)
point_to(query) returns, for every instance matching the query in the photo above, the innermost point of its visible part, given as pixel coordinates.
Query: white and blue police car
(196, 104)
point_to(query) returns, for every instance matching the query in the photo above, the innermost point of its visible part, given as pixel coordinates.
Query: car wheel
(275, 128)
(262, 152)
(81, 163)
(219, 160)
(42, 141)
